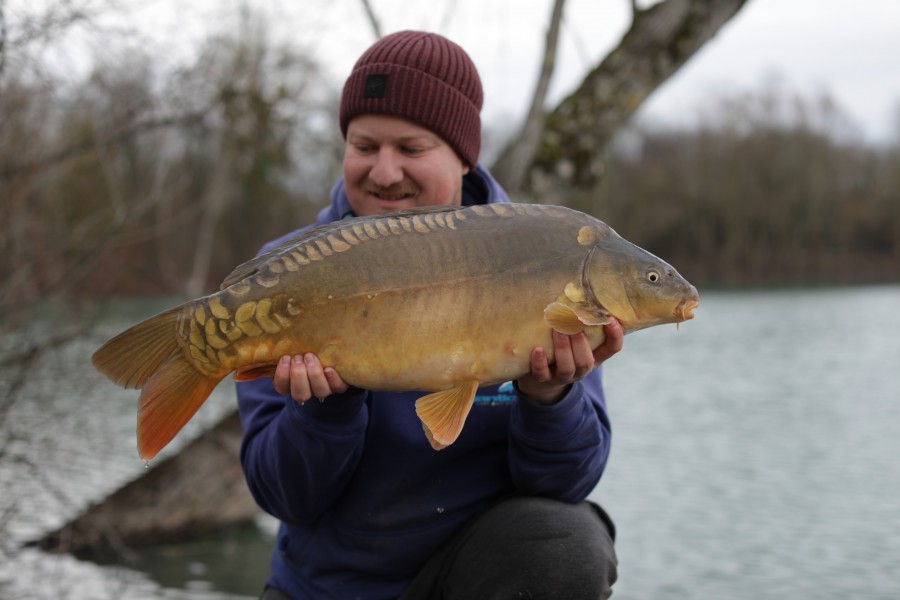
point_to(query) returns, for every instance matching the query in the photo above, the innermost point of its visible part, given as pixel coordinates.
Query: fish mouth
(685, 310)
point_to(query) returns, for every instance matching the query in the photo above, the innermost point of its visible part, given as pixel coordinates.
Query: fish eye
(652, 276)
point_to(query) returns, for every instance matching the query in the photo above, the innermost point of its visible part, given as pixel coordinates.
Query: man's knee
(543, 548)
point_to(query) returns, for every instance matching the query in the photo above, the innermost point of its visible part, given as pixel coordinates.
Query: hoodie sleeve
(298, 458)
(560, 451)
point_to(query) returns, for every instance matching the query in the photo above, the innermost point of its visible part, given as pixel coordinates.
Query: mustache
(398, 189)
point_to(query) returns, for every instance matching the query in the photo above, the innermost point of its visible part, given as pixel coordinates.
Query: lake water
(754, 456)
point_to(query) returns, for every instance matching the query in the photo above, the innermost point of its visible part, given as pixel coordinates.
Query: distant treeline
(770, 188)
(137, 182)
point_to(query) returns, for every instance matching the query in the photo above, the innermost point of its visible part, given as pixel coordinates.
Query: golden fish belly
(425, 338)
(442, 339)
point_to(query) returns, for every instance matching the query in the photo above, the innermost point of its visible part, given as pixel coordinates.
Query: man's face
(392, 164)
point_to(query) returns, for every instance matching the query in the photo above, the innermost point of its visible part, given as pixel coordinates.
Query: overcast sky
(850, 49)
(847, 48)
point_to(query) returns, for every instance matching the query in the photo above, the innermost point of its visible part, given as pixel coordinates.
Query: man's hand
(548, 383)
(304, 377)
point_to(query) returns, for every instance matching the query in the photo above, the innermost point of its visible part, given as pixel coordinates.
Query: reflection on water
(754, 456)
(235, 559)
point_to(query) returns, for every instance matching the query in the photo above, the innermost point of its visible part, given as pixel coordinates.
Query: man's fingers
(335, 382)
(316, 373)
(300, 388)
(615, 338)
(540, 368)
(563, 357)
(304, 377)
(583, 355)
(282, 377)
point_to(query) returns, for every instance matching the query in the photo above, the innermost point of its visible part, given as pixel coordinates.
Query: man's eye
(363, 149)
(412, 150)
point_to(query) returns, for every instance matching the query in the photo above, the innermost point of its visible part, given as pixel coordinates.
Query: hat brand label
(376, 85)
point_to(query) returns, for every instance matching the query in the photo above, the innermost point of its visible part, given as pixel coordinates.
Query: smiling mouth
(393, 197)
(393, 193)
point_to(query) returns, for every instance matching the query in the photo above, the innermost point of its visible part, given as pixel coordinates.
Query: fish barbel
(441, 300)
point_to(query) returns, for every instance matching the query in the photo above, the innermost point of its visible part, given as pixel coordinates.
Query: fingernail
(310, 359)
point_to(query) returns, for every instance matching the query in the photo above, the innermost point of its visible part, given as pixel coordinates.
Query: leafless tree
(660, 40)
(512, 165)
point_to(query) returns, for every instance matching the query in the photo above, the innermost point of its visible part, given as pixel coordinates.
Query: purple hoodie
(363, 499)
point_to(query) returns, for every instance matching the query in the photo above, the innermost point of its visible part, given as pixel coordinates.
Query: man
(367, 508)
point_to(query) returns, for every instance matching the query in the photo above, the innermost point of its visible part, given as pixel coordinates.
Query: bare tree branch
(373, 19)
(49, 21)
(7, 171)
(660, 40)
(215, 201)
(2, 35)
(512, 167)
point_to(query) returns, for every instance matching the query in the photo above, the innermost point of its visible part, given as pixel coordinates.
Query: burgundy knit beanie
(423, 77)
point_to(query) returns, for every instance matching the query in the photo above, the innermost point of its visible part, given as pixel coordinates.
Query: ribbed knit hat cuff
(427, 101)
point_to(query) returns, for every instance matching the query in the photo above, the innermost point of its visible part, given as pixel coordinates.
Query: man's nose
(387, 169)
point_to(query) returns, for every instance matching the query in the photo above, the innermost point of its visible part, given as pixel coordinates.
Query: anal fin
(444, 413)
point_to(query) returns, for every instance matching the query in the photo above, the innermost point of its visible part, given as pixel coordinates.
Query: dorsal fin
(255, 265)
(252, 266)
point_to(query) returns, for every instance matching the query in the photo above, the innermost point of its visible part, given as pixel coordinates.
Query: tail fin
(148, 356)
(169, 399)
(130, 358)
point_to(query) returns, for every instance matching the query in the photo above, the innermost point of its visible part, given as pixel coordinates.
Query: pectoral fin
(573, 319)
(444, 413)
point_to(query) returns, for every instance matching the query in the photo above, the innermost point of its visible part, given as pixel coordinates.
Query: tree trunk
(660, 40)
(215, 199)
